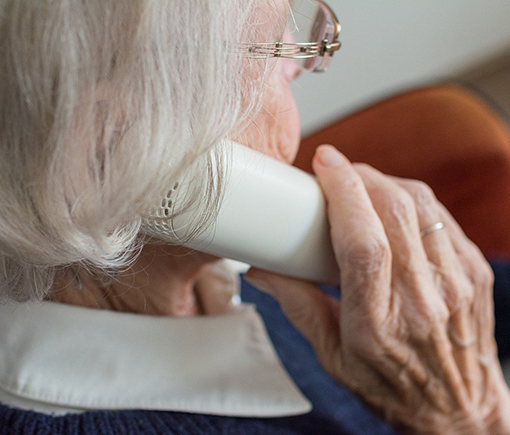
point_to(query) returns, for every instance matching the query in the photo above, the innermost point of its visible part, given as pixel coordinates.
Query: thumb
(314, 313)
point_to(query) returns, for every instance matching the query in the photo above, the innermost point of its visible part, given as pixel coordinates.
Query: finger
(462, 333)
(359, 241)
(482, 279)
(216, 287)
(314, 313)
(397, 211)
(457, 288)
(464, 247)
(437, 244)
(483, 315)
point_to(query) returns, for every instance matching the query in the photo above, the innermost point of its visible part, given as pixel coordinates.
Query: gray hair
(102, 104)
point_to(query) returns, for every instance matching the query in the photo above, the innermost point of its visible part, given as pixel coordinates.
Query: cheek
(275, 131)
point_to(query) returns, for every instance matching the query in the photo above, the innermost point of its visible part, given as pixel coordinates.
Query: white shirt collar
(60, 358)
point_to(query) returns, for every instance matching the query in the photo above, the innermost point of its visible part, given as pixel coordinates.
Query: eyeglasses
(314, 30)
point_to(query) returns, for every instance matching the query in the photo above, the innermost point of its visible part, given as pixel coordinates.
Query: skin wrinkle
(370, 256)
(466, 357)
(378, 309)
(395, 360)
(450, 369)
(401, 208)
(402, 364)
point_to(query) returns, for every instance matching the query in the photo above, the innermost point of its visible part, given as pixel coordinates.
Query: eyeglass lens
(311, 21)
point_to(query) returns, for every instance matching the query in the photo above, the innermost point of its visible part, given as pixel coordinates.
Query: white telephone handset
(273, 217)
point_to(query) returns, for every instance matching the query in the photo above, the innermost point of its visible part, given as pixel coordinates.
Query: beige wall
(391, 44)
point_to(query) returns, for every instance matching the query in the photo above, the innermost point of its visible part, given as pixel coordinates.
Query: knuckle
(428, 320)
(370, 253)
(353, 184)
(441, 315)
(460, 297)
(457, 290)
(478, 269)
(437, 312)
(402, 208)
(423, 195)
(472, 251)
(484, 276)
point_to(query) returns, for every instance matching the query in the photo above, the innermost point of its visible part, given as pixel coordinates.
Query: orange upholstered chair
(444, 135)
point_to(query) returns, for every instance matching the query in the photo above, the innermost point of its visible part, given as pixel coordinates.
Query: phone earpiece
(273, 216)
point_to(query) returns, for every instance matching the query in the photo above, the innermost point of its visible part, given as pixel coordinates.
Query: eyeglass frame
(295, 50)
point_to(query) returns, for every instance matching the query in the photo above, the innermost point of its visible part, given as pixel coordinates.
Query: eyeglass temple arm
(329, 48)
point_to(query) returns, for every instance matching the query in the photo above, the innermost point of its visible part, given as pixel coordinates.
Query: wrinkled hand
(413, 333)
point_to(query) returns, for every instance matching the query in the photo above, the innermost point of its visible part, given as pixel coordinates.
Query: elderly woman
(106, 103)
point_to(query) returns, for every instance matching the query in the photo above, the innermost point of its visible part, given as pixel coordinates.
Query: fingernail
(259, 284)
(328, 156)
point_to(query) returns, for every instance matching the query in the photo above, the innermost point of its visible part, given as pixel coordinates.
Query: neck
(164, 280)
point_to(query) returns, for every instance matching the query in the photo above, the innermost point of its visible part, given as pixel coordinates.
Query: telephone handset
(273, 216)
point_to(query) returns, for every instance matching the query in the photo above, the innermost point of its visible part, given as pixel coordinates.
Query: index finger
(361, 247)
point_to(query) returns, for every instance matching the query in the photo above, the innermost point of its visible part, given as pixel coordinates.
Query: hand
(216, 288)
(413, 333)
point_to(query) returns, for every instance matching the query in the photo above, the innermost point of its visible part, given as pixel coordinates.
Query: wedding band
(436, 227)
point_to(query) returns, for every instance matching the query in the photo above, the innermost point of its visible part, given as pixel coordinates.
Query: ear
(110, 118)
